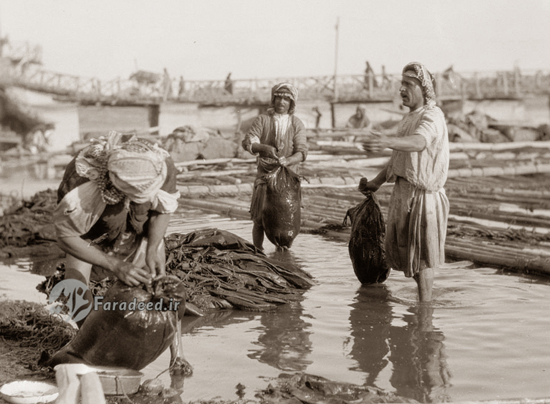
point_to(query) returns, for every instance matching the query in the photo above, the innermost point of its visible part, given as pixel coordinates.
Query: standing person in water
(419, 208)
(276, 135)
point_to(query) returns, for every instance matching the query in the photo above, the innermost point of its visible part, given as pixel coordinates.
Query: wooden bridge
(20, 66)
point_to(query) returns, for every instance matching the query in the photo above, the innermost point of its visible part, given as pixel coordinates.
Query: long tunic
(419, 208)
(291, 141)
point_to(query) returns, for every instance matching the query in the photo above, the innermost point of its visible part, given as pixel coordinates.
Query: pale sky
(206, 39)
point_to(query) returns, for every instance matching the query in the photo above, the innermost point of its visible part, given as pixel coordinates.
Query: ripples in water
(484, 337)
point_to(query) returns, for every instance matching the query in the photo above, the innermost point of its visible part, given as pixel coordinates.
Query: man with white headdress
(276, 136)
(419, 208)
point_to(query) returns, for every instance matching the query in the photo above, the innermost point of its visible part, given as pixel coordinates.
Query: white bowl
(114, 380)
(29, 392)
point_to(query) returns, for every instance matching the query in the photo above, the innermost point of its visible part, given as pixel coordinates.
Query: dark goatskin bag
(127, 338)
(281, 213)
(366, 244)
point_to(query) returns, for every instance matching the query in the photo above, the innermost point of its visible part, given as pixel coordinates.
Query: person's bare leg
(81, 271)
(258, 236)
(425, 281)
(179, 366)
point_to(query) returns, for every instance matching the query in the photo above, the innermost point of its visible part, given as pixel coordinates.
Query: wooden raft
(500, 213)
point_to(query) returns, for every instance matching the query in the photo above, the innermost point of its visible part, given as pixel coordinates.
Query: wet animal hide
(129, 338)
(366, 244)
(281, 214)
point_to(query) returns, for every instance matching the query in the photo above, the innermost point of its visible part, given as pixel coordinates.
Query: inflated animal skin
(281, 214)
(366, 244)
(127, 338)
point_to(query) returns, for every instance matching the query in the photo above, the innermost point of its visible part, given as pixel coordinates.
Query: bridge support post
(371, 84)
(478, 88)
(517, 82)
(505, 83)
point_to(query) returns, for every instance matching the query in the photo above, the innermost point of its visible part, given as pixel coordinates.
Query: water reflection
(214, 319)
(370, 319)
(284, 341)
(420, 368)
(286, 256)
(415, 352)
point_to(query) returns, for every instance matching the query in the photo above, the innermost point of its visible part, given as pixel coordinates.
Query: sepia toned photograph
(258, 202)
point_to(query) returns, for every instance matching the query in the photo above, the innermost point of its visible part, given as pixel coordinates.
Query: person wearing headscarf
(359, 120)
(419, 208)
(114, 205)
(276, 137)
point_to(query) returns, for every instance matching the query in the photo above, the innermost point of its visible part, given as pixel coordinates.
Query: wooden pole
(505, 82)
(336, 60)
(371, 84)
(517, 79)
(1, 39)
(478, 88)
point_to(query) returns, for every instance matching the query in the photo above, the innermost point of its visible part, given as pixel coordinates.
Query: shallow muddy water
(485, 335)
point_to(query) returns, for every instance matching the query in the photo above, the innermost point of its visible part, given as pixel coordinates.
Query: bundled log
(498, 258)
(218, 161)
(352, 146)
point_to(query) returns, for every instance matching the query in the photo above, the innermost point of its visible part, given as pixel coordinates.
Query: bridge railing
(353, 88)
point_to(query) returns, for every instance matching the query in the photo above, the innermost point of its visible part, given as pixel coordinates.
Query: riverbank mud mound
(26, 227)
(306, 388)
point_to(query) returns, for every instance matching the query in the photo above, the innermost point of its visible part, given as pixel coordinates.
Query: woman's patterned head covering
(134, 168)
(427, 81)
(285, 90)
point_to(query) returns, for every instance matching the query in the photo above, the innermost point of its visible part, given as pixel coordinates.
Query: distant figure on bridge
(181, 88)
(359, 120)
(166, 85)
(453, 78)
(386, 81)
(278, 139)
(228, 84)
(317, 117)
(370, 76)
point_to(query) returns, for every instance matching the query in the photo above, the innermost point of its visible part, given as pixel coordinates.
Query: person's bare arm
(294, 159)
(125, 271)
(265, 150)
(155, 258)
(300, 149)
(377, 142)
(375, 184)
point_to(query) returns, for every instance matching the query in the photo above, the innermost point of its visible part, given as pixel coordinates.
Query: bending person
(114, 201)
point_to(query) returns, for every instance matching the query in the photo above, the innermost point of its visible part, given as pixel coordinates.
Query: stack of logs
(498, 196)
